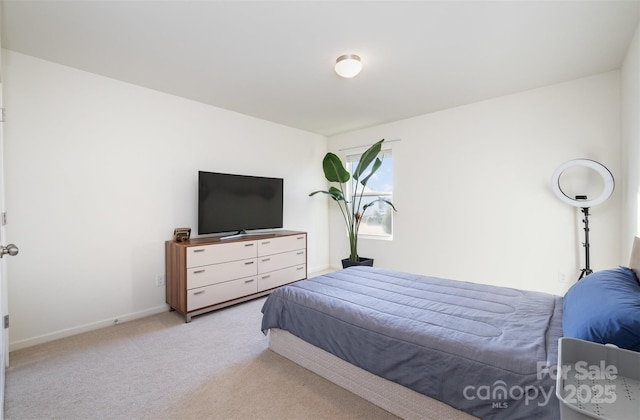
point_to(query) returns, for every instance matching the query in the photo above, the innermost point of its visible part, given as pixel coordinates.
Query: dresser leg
(187, 318)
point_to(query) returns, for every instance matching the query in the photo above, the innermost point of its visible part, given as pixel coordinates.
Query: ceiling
(274, 59)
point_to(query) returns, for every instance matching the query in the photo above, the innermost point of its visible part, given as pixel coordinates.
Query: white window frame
(354, 156)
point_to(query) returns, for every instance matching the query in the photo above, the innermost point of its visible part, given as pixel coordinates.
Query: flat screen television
(237, 203)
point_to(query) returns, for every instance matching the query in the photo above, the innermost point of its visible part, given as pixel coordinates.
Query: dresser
(205, 274)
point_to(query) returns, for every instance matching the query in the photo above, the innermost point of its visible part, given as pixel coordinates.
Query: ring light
(604, 173)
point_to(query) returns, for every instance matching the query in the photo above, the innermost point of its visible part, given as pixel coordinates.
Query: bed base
(390, 396)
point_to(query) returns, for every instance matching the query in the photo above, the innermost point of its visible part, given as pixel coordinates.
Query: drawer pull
(266, 259)
(300, 237)
(265, 277)
(300, 268)
(198, 250)
(199, 292)
(249, 281)
(198, 271)
(249, 244)
(249, 262)
(266, 242)
(300, 253)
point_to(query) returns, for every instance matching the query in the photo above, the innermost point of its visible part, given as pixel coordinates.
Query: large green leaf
(374, 168)
(335, 193)
(366, 158)
(333, 169)
(366, 206)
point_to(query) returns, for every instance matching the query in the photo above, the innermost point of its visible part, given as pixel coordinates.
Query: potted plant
(334, 171)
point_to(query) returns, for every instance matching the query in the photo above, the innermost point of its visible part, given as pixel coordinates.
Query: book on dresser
(205, 274)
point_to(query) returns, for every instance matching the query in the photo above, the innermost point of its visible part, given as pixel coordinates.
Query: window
(377, 222)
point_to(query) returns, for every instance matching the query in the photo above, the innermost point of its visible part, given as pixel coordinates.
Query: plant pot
(362, 261)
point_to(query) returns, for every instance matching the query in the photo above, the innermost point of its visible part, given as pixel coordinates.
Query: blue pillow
(604, 307)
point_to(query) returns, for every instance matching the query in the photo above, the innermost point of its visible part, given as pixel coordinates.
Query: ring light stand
(587, 270)
(581, 201)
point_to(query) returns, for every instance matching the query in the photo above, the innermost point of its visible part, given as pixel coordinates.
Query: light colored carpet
(216, 367)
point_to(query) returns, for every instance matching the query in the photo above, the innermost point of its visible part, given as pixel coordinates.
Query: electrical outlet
(160, 280)
(562, 277)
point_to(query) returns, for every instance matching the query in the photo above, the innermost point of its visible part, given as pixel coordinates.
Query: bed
(426, 347)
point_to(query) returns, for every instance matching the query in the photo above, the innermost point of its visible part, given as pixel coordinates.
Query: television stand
(238, 234)
(243, 234)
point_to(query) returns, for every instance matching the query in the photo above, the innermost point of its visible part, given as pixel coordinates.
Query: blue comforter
(482, 349)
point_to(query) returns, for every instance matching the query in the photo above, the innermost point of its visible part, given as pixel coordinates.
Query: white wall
(100, 172)
(630, 75)
(472, 187)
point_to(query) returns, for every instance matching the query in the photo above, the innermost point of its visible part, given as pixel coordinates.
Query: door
(4, 334)
(4, 252)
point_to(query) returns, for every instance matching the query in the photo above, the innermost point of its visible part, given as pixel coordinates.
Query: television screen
(235, 203)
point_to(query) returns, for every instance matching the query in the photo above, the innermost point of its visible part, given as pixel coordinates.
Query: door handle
(10, 249)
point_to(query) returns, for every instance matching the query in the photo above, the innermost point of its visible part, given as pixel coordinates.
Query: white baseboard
(316, 271)
(29, 342)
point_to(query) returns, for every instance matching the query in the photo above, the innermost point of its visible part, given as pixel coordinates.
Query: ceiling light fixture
(348, 66)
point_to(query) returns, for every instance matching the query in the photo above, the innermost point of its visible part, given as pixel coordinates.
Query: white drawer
(212, 254)
(279, 261)
(278, 245)
(273, 279)
(217, 293)
(218, 273)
